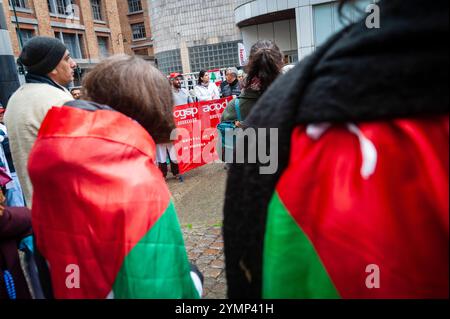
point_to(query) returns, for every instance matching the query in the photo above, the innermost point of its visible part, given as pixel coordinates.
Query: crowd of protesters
(362, 132)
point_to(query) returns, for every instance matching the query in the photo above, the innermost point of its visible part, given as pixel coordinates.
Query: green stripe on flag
(291, 266)
(157, 267)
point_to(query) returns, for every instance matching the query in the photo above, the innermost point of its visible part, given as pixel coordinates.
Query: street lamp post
(9, 80)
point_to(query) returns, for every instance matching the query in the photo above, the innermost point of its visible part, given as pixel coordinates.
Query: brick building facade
(183, 36)
(91, 29)
(190, 35)
(135, 24)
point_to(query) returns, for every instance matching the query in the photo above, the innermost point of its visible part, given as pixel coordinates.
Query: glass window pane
(96, 9)
(134, 5)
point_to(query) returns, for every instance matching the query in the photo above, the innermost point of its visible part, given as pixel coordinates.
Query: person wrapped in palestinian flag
(102, 214)
(359, 204)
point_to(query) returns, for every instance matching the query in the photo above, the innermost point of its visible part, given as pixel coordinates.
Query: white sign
(242, 54)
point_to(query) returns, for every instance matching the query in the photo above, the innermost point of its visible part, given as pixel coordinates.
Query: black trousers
(173, 167)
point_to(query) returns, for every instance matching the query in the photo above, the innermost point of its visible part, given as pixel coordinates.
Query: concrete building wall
(315, 21)
(283, 33)
(179, 26)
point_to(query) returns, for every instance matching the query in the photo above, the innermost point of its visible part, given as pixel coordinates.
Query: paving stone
(205, 243)
(193, 256)
(217, 264)
(216, 245)
(213, 252)
(216, 231)
(205, 248)
(214, 273)
(221, 288)
(203, 266)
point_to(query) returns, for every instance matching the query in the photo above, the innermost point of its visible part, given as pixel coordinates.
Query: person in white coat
(165, 152)
(50, 68)
(206, 90)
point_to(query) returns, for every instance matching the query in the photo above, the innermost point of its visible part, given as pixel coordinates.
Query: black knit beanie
(41, 55)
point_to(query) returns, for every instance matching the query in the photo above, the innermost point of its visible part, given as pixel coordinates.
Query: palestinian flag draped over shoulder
(102, 213)
(355, 227)
(358, 208)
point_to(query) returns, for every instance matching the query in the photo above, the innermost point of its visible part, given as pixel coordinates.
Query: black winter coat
(228, 89)
(360, 74)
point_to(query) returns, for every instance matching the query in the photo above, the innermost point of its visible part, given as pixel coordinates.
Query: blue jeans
(14, 195)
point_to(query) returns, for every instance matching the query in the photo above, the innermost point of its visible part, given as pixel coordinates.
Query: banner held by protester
(196, 135)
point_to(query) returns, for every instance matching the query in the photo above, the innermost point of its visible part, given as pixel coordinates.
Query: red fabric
(397, 219)
(200, 120)
(174, 75)
(97, 192)
(4, 177)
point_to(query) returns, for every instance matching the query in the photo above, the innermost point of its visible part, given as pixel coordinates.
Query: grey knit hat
(233, 70)
(41, 55)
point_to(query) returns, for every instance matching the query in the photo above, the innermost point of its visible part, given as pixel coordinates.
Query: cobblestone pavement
(204, 245)
(199, 203)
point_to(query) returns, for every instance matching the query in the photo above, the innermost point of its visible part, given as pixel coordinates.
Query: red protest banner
(196, 132)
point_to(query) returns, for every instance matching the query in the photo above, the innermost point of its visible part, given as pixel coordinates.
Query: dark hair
(200, 76)
(265, 63)
(132, 86)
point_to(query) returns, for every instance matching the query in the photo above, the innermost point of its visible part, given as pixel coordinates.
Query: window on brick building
(97, 9)
(138, 31)
(134, 5)
(73, 42)
(19, 3)
(62, 7)
(103, 46)
(25, 36)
